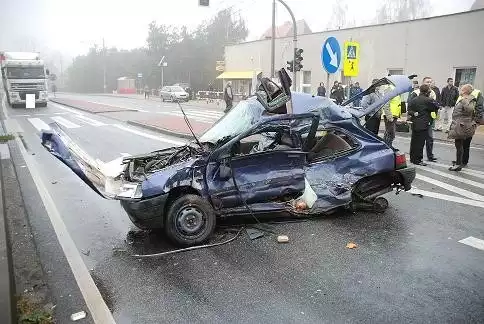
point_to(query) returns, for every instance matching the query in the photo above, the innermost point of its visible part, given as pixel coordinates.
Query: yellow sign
(351, 59)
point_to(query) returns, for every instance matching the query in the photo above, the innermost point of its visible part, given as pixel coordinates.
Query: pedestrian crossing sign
(351, 59)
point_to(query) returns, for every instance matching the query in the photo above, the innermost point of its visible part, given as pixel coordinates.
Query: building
(440, 47)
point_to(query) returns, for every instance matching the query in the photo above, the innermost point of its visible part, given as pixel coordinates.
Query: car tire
(190, 220)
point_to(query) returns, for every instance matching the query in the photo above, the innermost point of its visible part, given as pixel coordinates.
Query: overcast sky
(72, 26)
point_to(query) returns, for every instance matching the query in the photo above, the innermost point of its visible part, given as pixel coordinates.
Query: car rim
(190, 220)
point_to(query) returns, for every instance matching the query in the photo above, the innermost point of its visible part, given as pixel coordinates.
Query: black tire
(381, 204)
(43, 104)
(190, 221)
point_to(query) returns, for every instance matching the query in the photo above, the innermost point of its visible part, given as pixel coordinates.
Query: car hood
(133, 177)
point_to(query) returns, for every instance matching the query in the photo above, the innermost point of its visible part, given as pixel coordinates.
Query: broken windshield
(238, 120)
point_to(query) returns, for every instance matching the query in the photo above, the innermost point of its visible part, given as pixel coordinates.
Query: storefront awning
(237, 75)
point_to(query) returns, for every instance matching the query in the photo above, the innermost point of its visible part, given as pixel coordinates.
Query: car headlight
(131, 190)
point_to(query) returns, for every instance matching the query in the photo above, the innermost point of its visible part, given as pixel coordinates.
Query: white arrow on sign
(334, 58)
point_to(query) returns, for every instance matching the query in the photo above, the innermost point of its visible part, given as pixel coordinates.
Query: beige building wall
(433, 47)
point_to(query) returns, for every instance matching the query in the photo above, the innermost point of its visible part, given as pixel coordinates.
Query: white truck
(24, 73)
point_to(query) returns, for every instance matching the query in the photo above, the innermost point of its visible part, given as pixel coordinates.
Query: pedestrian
(392, 110)
(228, 97)
(429, 140)
(54, 89)
(372, 119)
(419, 111)
(321, 90)
(338, 93)
(438, 98)
(147, 92)
(449, 96)
(355, 91)
(463, 126)
(478, 118)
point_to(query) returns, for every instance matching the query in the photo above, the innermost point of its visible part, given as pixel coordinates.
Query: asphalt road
(409, 265)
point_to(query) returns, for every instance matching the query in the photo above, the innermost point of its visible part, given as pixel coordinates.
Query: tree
(401, 10)
(340, 18)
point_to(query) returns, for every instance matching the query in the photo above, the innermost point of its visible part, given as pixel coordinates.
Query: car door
(271, 170)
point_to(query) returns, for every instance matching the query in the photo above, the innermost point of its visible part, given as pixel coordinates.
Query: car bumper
(407, 176)
(146, 213)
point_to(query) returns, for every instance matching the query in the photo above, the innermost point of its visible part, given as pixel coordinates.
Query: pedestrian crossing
(68, 121)
(436, 181)
(204, 116)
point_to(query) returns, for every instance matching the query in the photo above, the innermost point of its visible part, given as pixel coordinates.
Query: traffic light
(298, 55)
(290, 65)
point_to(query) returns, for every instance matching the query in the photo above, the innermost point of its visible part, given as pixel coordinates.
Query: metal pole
(162, 76)
(104, 65)
(273, 39)
(294, 28)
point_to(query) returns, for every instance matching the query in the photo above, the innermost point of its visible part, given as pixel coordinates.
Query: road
(409, 265)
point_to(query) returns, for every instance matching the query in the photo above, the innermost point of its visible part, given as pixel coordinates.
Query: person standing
(438, 98)
(321, 90)
(338, 93)
(373, 119)
(419, 111)
(354, 91)
(392, 110)
(449, 96)
(429, 140)
(334, 89)
(463, 126)
(228, 97)
(147, 92)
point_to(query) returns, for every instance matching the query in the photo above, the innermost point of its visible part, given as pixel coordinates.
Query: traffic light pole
(294, 30)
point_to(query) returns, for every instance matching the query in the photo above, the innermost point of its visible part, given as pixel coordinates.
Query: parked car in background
(186, 87)
(174, 93)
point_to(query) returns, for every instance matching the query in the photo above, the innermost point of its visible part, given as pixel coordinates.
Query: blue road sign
(331, 55)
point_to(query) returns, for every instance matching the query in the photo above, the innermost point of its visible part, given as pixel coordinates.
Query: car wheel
(190, 220)
(380, 204)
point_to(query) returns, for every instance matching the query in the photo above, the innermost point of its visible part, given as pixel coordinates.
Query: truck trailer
(24, 73)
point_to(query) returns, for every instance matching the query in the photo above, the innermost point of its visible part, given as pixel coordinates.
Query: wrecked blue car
(277, 152)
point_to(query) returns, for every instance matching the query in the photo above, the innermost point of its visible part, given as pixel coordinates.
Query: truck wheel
(43, 104)
(190, 220)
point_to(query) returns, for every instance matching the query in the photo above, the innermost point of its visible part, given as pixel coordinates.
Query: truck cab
(22, 74)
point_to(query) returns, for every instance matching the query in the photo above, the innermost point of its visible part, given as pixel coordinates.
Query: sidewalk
(89, 106)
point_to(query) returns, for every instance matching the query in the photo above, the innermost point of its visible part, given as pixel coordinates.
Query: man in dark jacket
(419, 110)
(338, 93)
(448, 99)
(321, 90)
(355, 90)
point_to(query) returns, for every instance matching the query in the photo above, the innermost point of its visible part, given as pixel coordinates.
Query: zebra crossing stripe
(64, 122)
(38, 124)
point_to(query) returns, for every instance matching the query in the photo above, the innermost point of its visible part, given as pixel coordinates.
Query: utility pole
(294, 30)
(104, 65)
(273, 39)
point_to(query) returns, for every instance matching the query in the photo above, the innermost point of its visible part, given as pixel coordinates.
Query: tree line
(190, 56)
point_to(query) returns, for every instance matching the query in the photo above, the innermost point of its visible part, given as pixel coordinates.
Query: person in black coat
(321, 90)
(419, 110)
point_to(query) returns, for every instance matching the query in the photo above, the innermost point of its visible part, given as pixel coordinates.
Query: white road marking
(88, 120)
(474, 242)
(475, 173)
(142, 110)
(4, 152)
(453, 177)
(64, 122)
(156, 138)
(179, 114)
(455, 199)
(94, 301)
(457, 190)
(206, 112)
(439, 143)
(21, 116)
(39, 124)
(61, 113)
(125, 154)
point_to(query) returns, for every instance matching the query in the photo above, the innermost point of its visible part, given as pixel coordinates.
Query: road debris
(283, 239)
(77, 316)
(417, 195)
(254, 233)
(351, 245)
(54, 182)
(86, 252)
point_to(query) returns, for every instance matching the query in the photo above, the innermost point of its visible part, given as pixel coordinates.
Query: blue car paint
(263, 177)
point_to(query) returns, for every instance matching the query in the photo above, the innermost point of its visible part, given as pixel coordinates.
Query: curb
(7, 282)
(160, 130)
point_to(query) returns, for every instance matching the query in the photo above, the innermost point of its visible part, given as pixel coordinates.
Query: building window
(464, 76)
(306, 81)
(395, 71)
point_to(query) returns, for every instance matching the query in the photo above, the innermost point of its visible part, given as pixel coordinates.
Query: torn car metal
(256, 159)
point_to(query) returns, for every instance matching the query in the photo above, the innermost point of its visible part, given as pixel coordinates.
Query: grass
(6, 137)
(30, 312)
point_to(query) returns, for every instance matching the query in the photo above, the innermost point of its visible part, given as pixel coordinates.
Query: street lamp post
(294, 29)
